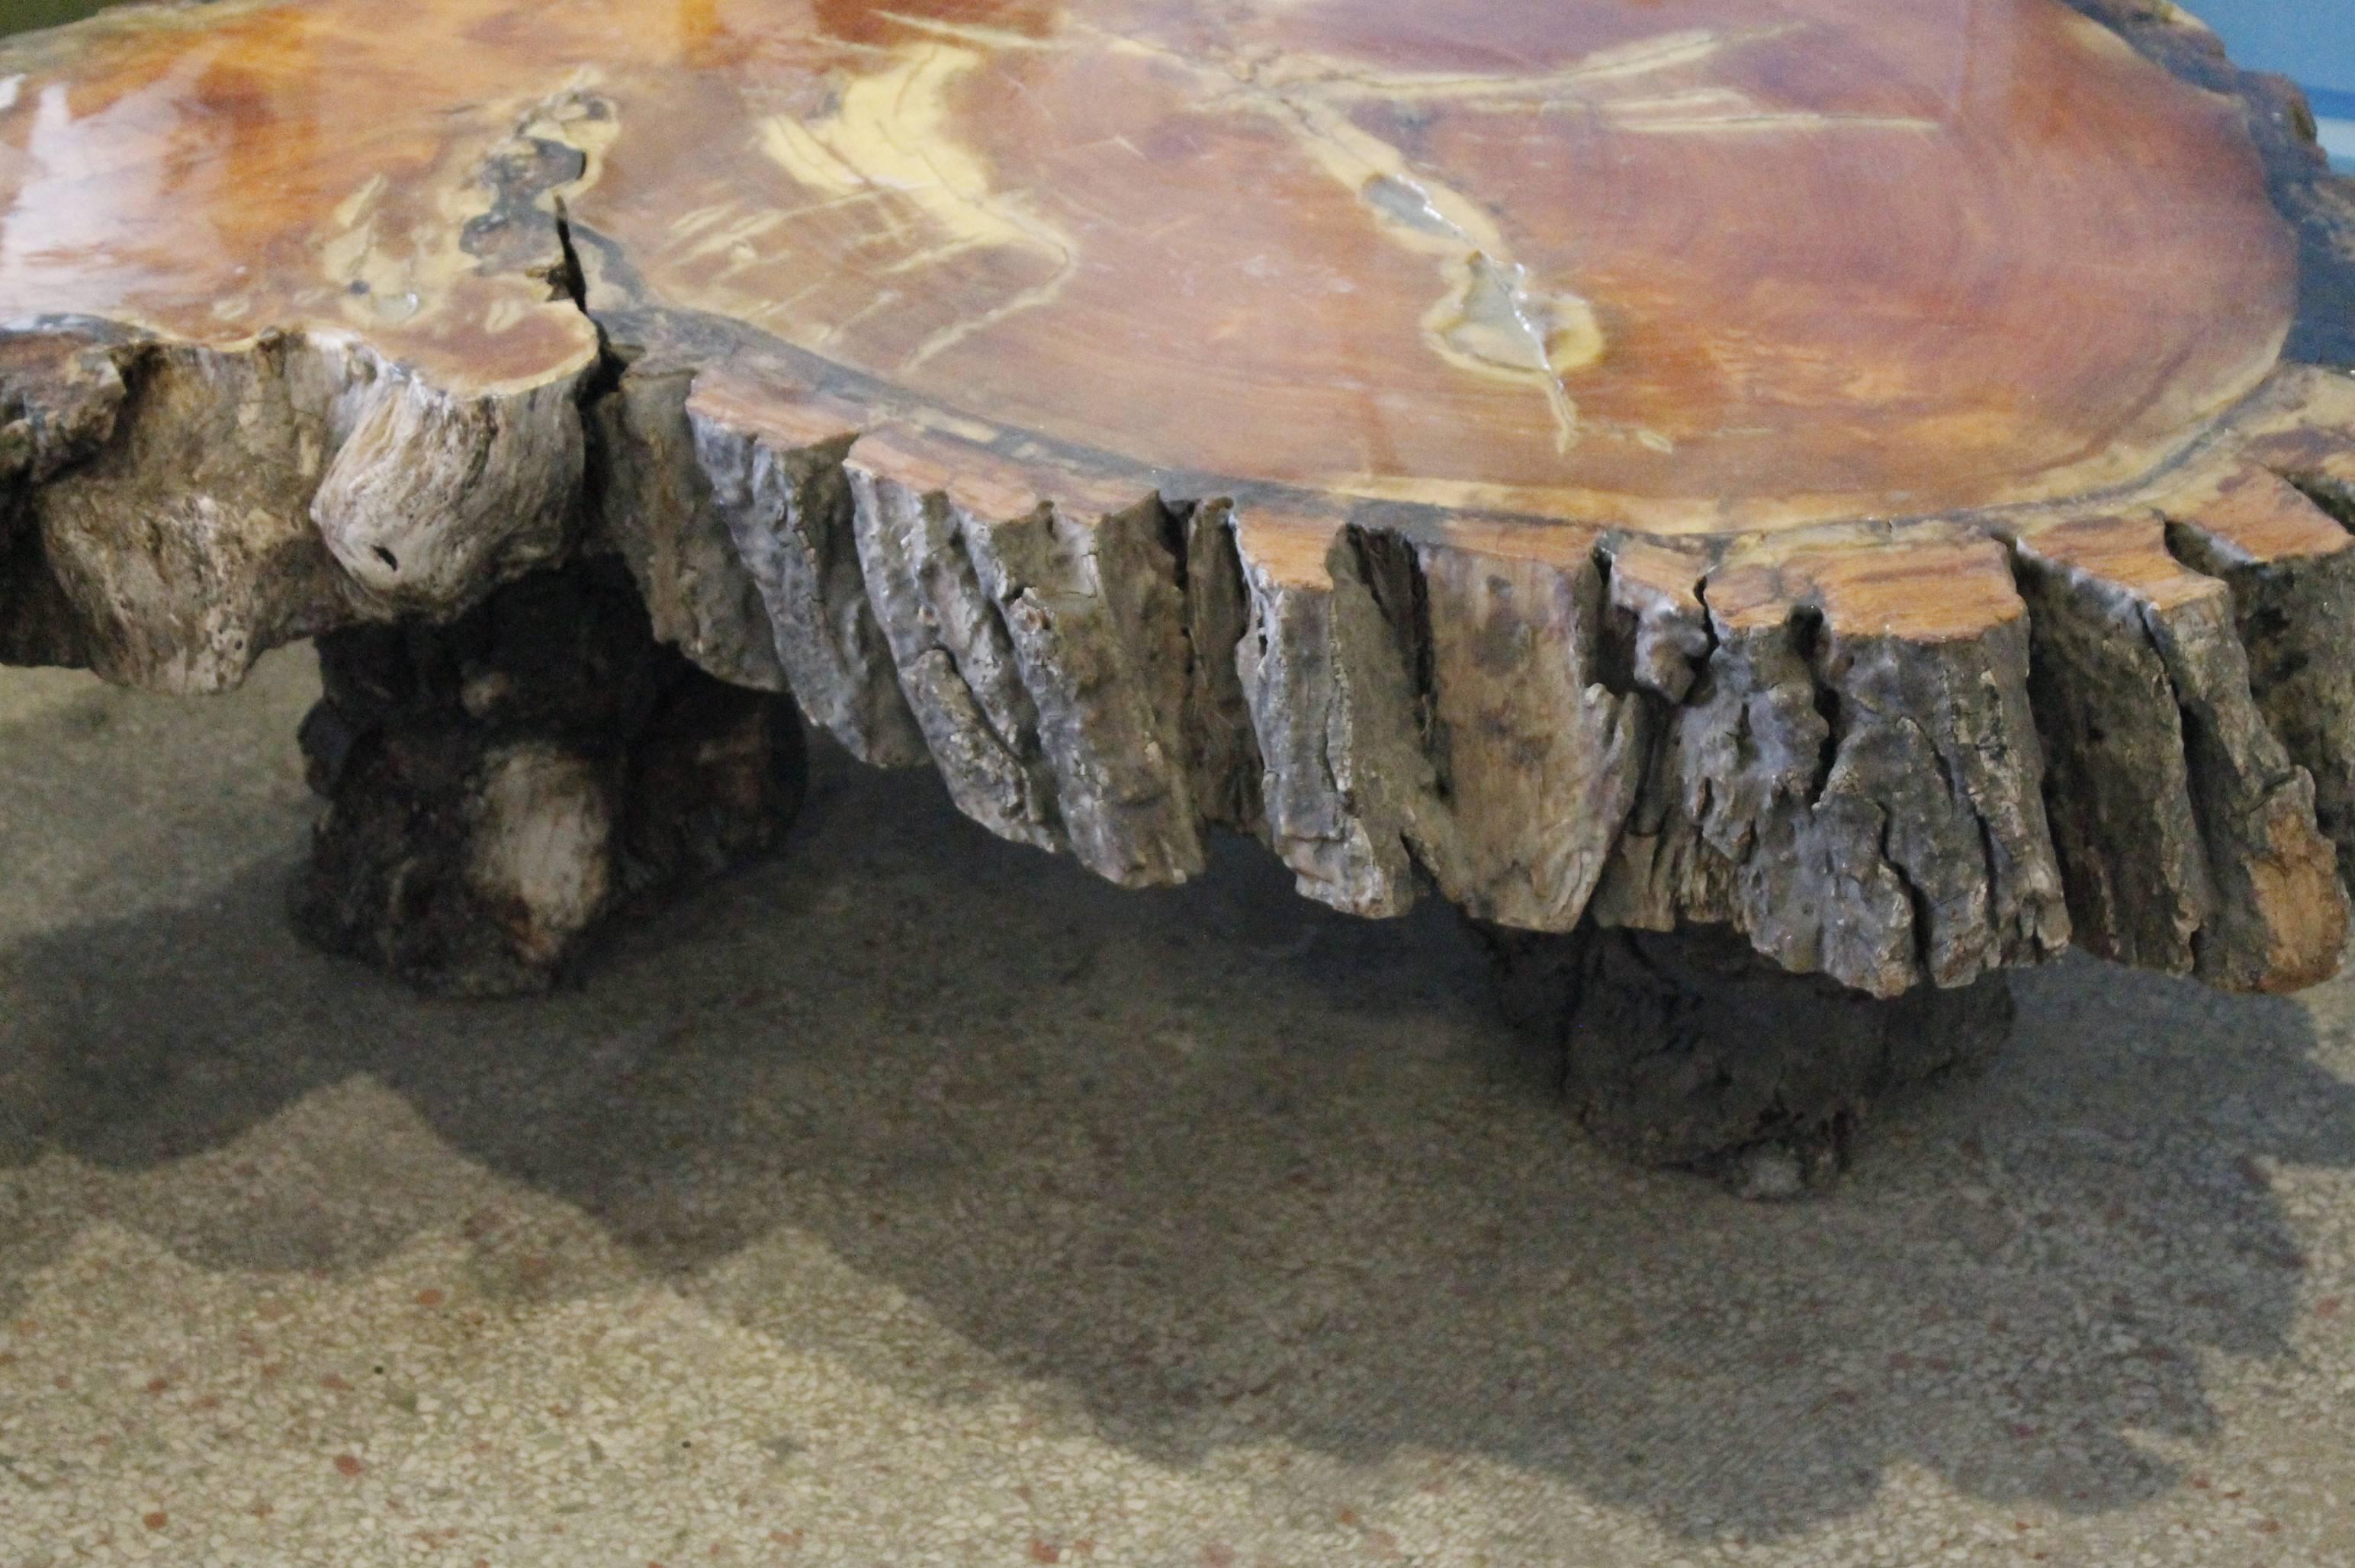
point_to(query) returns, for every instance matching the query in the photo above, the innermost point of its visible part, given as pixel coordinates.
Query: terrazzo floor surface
(916, 1200)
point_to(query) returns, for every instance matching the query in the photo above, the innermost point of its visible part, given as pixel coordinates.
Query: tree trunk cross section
(1693, 1051)
(1869, 478)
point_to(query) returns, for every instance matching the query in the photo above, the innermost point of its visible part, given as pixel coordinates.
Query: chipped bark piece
(500, 788)
(954, 656)
(1854, 776)
(656, 508)
(1657, 591)
(1436, 716)
(2291, 569)
(1528, 505)
(1086, 586)
(1538, 759)
(1041, 637)
(1220, 745)
(2187, 833)
(2117, 785)
(1346, 785)
(1924, 652)
(1691, 1051)
(773, 457)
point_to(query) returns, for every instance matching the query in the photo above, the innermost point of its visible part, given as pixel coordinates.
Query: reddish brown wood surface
(1714, 264)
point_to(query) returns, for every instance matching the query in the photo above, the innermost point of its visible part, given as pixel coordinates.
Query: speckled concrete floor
(918, 1200)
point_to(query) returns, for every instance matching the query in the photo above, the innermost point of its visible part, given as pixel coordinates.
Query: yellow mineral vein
(1492, 321)
(890, 131)
(1000, 39)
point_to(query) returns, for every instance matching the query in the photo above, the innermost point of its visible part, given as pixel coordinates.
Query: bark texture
(1896, 757)
(180, 510)
(500, 788)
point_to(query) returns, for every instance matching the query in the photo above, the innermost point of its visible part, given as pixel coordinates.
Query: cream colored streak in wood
(385, 257)
(889, 135)
(890, 131)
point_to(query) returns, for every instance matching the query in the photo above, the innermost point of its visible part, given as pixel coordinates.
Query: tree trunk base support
(500, 787)
(1691, 1051)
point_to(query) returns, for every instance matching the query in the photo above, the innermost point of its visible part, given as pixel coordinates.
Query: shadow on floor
(1221, 1164)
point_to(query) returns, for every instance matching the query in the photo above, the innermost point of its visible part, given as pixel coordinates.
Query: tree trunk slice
(1869, 476)
(501, 788)
(1690, 1051)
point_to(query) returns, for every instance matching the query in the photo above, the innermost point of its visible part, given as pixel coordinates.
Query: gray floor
(917, 1199)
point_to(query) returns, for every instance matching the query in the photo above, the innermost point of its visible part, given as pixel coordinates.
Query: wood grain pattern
(1817, 466)
(1583, 260)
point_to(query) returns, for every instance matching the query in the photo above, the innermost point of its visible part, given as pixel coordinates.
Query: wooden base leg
(499, 788)
(1691, 1050)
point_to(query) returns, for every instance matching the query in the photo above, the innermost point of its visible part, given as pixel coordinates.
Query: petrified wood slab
(1865, 474)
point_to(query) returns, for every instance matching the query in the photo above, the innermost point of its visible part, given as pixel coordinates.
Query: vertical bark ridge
(2188, 833)
(948, 638)
(1852, 780)
(772, 458)
(1346, 786)
(1222, 746)
(2290, 570)
(1542, 760)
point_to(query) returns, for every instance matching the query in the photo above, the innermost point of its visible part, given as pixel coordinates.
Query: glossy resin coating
(1716, 263)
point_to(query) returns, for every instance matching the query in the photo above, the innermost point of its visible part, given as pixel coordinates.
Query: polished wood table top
(1699, 266)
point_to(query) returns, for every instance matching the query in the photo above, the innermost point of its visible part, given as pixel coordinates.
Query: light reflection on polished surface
(1692, 262)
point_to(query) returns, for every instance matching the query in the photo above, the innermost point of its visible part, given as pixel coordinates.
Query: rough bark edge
(169, 511)
(1541, 721)
(1835, 741)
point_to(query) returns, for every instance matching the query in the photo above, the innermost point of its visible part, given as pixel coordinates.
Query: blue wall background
(2311, 40)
